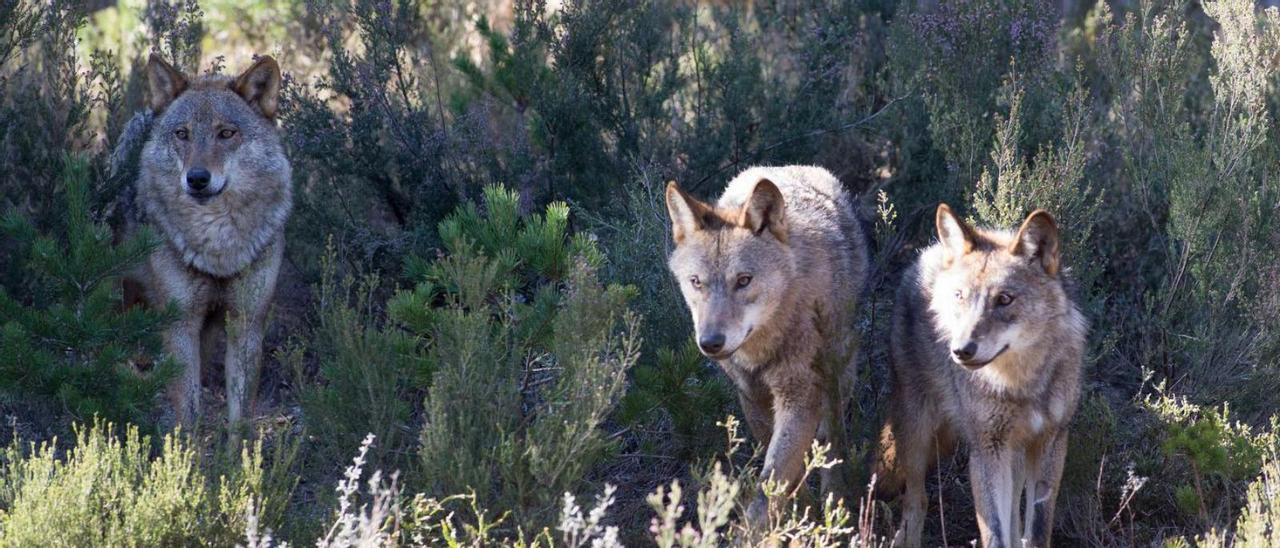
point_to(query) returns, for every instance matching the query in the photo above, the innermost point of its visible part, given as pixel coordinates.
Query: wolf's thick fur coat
(773, 270)
(223, 242)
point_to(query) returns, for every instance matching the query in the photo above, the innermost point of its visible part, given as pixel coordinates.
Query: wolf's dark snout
(712, 344)
(198, 179)
(966, 352)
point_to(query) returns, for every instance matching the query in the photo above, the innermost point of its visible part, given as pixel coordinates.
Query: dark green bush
(368, 374)
(682, 385)
(529, 354)
(66, 339)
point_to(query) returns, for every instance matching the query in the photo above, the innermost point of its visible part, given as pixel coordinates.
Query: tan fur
(224, 242)
(1009, 397)
(793, 232)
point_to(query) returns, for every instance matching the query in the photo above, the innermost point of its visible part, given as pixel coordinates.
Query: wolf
(986, 349)
(771, 274)
(214, 184)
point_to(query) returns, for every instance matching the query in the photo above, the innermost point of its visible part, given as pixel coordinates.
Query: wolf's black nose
(198, 179)
(967, 352)
(712, 343)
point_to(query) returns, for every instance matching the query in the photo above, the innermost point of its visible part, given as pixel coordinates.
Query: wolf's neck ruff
(223, 237)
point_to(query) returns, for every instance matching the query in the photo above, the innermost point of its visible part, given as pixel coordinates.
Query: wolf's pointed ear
(956, 236)
(686, 213)
(260, 86)
(164, 82)
(1038, 239)
(765, 210)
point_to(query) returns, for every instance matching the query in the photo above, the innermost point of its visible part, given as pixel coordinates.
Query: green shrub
(64, 336)
(1222, 219)
(687, 390)
(365, 138)
(107, 490)
(1221, 454)
(1259, 522)
(44, 114)
(529, 354)
(367, 375)
(950, 61)
(1011, 185)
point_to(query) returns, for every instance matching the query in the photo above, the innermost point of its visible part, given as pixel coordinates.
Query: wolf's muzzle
(198, 179)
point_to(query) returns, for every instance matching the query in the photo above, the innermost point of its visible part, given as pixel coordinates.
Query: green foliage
(1259, 522)
(66, 339)
(528, 352)
(107, 490)
(1149, 133)
(687, 389)
(1010, 185)
(567, 105)
(1220, 452)
(44, 114)
(952, 60)
(1222, 216)
(367, 372)
(368, 136)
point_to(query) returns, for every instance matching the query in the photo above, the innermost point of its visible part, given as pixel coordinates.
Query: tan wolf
(214, 183)
(771, 273)
(987, 349)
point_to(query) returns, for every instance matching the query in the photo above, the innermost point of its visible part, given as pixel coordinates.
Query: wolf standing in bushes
(213, 181)
(771, 273)
(987, 349)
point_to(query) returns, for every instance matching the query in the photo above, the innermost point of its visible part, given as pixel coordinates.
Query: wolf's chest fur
(220, 238)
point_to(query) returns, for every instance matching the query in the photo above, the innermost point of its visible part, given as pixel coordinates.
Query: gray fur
(793, 230)
(222, 249)
(1009, 402)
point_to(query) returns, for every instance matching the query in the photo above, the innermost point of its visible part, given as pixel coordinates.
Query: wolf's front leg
(991, 473)
(182, 342)
(246, 320)
(795, 423)
(1044, 472)
(756, 408)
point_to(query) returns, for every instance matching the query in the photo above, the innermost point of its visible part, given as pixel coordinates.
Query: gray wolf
(771, 274)
(214, 184)
(987, 349)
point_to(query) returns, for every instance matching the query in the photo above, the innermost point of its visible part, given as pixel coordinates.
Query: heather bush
(1222, 222)
(384, 515)
(45, 100)
(109, 490)
(366, 377)
(949, 61)
(528, 351)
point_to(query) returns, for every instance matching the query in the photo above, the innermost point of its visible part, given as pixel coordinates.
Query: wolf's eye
(181, 134)
(1004, 299)
(744, 280)
(959, 295)
(695, 282)
(226, 133)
